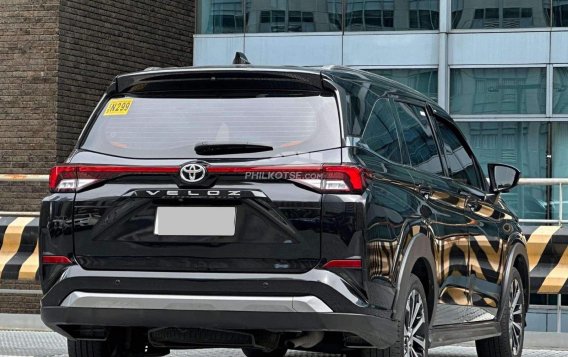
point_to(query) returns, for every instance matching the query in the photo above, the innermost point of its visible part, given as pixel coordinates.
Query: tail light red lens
(71, 178)
(322, 178)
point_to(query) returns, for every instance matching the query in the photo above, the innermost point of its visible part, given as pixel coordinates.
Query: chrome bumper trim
(196, 302)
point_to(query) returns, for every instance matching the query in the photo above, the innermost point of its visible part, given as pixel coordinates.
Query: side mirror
(502, 178)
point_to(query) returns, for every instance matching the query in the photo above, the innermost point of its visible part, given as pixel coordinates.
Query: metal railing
(22, 178)
(560, 182)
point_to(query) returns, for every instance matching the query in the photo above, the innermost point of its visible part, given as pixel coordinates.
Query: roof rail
(240, 58)
(151, 69)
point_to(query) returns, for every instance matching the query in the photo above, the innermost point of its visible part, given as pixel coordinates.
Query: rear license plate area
(195, 221)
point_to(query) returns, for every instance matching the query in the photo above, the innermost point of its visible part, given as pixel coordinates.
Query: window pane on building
(391, 15)
(560, 90)
(521, 144)
(560, 13)
(423, 80)
(498, 91)
(220, 16)
(559, 167)
(491, 14)
(263, 16)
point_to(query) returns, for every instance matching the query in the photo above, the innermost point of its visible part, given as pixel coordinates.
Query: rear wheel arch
(423, 271)
(417, 257)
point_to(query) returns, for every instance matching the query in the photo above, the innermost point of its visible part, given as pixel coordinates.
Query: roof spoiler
(240, 58)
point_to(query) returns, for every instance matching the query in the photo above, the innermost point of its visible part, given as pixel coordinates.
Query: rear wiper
(229, 148)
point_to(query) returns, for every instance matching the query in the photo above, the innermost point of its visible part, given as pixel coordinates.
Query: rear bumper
(379, 332)
(314, 301)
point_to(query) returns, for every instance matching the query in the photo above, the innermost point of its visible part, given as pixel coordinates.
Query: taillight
(323, 178)
(71, 178)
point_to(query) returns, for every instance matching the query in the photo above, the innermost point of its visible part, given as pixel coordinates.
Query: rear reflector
(343, 263)
(55, 259)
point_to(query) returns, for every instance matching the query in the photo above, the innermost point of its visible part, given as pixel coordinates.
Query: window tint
(419, 139)
(380, 133)
(461, 164)
(171, 127)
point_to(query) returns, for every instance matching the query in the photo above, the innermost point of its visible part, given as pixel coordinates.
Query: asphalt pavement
(49, 344)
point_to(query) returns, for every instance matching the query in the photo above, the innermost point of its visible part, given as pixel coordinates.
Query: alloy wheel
(515, 317)
(415, 326)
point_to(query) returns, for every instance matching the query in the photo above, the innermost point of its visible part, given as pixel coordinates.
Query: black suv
(276, 208)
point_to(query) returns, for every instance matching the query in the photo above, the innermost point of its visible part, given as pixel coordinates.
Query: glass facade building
(500, 67)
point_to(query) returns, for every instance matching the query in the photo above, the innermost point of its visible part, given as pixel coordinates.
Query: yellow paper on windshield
(118, 106)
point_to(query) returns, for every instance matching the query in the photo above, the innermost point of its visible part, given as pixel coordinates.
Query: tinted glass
(423, 80)
(293, 16)
(171, 127)
(560, 89)
(560, 13)
(417, 134)
(498, 91)
(389, 15)
(490, 14)
(220, 16)
(380, 134)
(461, 164)
(520, 144)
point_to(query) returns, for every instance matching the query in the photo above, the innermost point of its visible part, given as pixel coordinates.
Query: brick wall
(28, 92)
(101, 39)
(14, 303)
(56, 59)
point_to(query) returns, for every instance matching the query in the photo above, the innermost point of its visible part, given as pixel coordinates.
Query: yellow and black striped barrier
(19, 251)
(548, 258)
(547, 251)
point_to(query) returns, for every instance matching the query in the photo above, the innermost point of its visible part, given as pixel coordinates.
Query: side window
(419, 138)
(461, 163)
(380, 133)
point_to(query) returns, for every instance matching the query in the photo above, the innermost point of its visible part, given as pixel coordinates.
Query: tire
(251, 352)
(510, 343)
(415, 295)
(87, 348)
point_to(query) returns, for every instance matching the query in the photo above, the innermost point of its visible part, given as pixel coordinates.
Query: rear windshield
(142, 127)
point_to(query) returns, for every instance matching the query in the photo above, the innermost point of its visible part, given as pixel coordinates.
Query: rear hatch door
(214, 182)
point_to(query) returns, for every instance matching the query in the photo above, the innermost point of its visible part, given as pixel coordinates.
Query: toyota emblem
(193, 173)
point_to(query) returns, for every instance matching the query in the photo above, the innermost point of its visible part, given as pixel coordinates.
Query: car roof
(333, 72)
